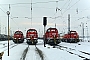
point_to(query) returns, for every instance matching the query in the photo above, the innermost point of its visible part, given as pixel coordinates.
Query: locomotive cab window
(31, 31)
(18, 33)
(52, 30)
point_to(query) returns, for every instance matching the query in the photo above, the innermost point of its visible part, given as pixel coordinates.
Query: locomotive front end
(52, 36)
(31, 36)
(18, 37)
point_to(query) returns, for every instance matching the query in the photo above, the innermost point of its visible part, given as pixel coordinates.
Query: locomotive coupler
(31, 39)
(55, 40)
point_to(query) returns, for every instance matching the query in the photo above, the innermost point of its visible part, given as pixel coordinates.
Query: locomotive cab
(72, 36)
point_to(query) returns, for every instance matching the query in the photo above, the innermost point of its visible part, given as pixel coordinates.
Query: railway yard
(44, 30)
(62, 51)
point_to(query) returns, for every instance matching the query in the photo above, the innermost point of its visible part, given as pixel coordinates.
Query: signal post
(44, 23)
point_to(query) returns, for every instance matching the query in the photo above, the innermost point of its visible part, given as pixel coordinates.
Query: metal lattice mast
(0, 26)
(31, 13)
(68, 23)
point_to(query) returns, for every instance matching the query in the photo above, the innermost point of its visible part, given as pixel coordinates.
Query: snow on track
(15, 53)
(56, 54)
(49, 52)
(32, 54)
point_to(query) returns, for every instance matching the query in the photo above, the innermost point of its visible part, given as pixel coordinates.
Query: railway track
(40, 53)
(83, 55)
(36, 53)
(24, 53)
(4, 48)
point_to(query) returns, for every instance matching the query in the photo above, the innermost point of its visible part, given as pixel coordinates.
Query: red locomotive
(31, 36)
(72, 36)
(18, 37)
(52, 36)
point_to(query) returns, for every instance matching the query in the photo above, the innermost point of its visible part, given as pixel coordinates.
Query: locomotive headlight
(57, 37)
(14, 38)
(35, 38)
(28, 38)
(19, 38)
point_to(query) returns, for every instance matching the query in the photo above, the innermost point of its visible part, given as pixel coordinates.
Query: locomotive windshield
(18, 32)
(73, 32)
(31, 30)
(51, 30)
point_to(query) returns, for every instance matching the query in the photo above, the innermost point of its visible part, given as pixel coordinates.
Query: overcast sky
(20, 14)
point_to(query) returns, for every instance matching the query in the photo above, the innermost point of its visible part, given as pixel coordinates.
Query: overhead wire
(56, 9)
(71, 6)
(61, 9)
(47, 2)
(43, 2)
(2, 10)
(68, 4)
(55, 12)
(67, 8)
(81, 12)
(32, 3)
(64, 4)
(10, 14)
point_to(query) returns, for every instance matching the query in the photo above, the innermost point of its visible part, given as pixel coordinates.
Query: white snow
(49, 52)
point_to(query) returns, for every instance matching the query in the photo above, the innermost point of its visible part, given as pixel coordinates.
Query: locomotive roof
(51, 28)
(18, 31)
(72, 31)
(32, 29)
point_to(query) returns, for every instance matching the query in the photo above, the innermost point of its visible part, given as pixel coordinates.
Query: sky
(20, 15)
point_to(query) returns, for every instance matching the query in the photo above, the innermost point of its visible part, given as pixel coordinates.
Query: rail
(24, 53)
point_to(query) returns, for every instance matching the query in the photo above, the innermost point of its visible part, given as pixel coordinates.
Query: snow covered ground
(50, 53)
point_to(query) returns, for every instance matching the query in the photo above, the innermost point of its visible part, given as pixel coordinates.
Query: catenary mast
(31, 13)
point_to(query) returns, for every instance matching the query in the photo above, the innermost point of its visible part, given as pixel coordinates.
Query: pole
(5, 31)
(8, 13)
(83, 30)
(44, 23)
(31, 13)
(44, 36)
(55, 25)
(8, 35)
(68, 23)
(87, 33)
(0, 26)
